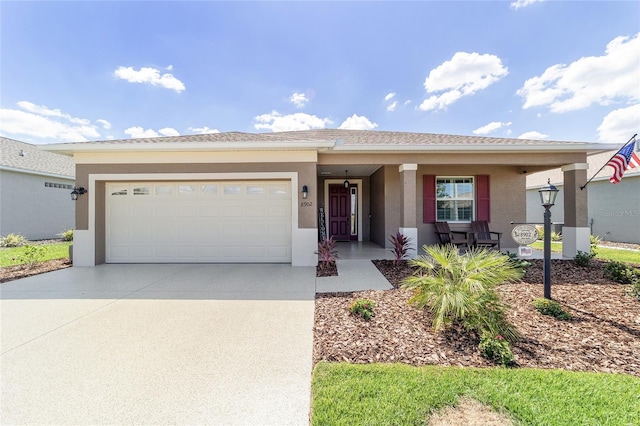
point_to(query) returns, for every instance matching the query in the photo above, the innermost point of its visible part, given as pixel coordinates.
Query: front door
(339, 212)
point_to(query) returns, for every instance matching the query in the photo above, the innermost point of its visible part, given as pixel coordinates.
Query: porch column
(408, 219)
(575, 232)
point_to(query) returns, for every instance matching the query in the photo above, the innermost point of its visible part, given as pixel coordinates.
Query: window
(143, 190)
(456, 198)
(58, 185)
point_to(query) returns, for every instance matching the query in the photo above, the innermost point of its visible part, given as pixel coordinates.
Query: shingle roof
(34, 159)
(345, 137)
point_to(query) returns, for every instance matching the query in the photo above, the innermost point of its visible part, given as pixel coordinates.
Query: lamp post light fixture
(77, 191)
(305, 192)
(346, 179)
(548, 194)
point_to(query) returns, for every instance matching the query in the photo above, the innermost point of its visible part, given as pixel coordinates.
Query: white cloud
(619, 125)
(392, 106)
(602, 80)
(277, 122)
(533, 135)
(490, 128)
(464, 75)
(168, 131)
(203, 130)
(523, 3)
(104, 123)
(47, 112)
(139, 132)
(150, 76)
(299, 99)
(45, 124)
(389, 96)
(356, 122)
(169, 68)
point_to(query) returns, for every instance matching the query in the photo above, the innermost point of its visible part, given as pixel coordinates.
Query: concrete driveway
(158, 344)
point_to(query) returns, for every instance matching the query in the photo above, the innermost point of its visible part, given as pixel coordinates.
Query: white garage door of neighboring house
(218, 221)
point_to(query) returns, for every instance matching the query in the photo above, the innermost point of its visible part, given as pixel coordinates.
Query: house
(34, 191)
(613, 210)
(265, 197)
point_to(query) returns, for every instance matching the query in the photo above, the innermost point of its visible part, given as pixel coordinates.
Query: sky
(532, 69)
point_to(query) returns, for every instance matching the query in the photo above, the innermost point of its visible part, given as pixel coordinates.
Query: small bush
(540, 232)
(517, 261)
(624, 274)
(551, 308)
(327, 252)
(12, 240)
(401, 246)
(31, 256)
(584, 259)
(66, 235)
(555, 236)
(496, 349)
(364, 308)
(594, 240)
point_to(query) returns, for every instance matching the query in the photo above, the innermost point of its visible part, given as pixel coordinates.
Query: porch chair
(447, 236)
(483, 237)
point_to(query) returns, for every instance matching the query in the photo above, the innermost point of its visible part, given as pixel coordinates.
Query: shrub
(12, 240)
(624, 274)
(66, 235)
(551, 308)
(364, 308)
(517, 261)
(401, 246)
(594, 240)
(540, 232)
(583, 259)
(460, 288)
(555, 236)
(31, 256)
(327, 252)
(496, 349)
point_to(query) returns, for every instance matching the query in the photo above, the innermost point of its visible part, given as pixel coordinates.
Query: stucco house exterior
(613, 210)
(267, 197)
(34, 191)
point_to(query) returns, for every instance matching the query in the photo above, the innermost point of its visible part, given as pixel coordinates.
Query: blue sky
(76, 71)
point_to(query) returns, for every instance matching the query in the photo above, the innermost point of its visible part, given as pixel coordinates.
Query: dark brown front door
(339, 211)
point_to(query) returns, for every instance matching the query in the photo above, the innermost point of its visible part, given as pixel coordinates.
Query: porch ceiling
(338, 171)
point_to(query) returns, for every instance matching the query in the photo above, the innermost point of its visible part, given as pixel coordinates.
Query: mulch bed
(327, 270)
(604, 334)
(10, 273)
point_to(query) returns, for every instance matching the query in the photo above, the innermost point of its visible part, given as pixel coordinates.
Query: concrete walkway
(158, 344)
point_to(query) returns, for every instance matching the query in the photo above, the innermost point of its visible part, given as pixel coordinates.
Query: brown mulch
(328, 270)
(10, 273)
(604, 334)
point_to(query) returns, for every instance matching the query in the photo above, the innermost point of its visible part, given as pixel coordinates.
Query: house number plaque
(524, 234)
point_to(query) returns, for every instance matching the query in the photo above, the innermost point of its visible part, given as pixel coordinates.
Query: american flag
(624, 159)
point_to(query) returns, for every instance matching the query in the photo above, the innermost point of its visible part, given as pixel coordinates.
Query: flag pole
(605, 164)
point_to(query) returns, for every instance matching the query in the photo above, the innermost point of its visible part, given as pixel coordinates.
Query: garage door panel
(199, 222)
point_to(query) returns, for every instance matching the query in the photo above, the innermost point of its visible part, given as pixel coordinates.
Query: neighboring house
(613, 210)
(238, 197)
(35, 189)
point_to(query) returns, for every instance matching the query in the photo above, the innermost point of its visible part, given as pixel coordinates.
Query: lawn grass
(603, 253)
(396, 394)
(11, 256)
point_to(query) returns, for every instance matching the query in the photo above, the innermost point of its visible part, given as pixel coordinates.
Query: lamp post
(548, 194)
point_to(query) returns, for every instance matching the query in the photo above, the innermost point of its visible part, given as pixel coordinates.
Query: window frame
(472, 198)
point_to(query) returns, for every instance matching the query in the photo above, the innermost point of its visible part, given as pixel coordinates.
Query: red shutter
(429, 198)
(483, 203)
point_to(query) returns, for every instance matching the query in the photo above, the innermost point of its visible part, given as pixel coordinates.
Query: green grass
(603, 253)
(395, 394)
(10, 256)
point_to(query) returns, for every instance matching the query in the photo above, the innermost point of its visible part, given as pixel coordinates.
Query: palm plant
(460, 288)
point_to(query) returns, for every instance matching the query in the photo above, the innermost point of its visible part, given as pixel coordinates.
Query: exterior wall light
(77, 191)
(346, 180)
(548, 194)
(305, 192)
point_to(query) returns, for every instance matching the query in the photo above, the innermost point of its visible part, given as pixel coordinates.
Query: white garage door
(219, 221)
